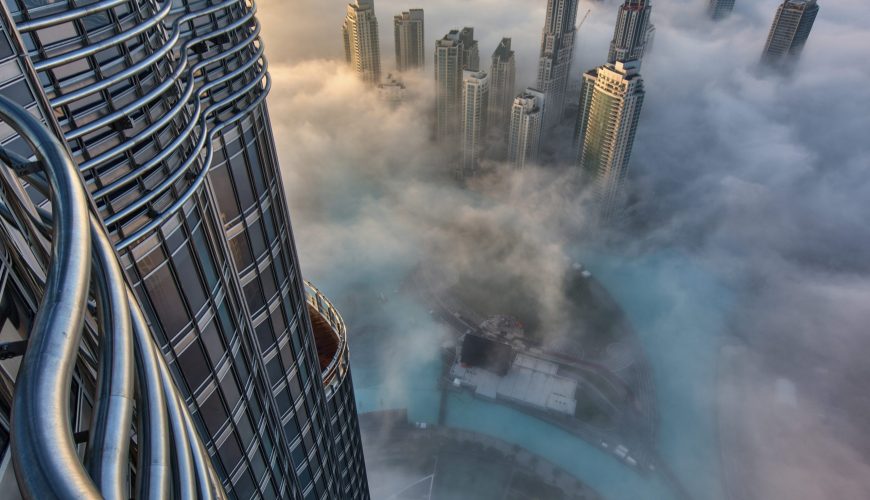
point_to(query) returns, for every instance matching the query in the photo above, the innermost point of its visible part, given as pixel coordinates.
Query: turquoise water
(601, 471)
(678, 310)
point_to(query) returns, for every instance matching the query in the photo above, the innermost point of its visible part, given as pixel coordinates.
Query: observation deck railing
(330, 335)
(137, 407)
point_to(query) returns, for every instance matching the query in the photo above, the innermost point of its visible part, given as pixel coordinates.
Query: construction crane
(585, 16)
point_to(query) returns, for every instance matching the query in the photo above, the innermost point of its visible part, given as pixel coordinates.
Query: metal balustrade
(330, 335)
(132, 377)
(188, 94)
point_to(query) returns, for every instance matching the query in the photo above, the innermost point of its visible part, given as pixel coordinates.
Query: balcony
(330, 337)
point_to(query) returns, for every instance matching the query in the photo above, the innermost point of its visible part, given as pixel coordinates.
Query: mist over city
(434, 249)
(742, 254)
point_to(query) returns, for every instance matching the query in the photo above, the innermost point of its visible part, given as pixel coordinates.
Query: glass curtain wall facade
(557, 53)
(162, 106)
(790, 31)
(631, 31)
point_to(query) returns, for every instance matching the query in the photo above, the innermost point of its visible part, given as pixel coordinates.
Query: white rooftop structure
(531, 381)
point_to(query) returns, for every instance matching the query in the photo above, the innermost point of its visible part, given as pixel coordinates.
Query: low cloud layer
(763, 177)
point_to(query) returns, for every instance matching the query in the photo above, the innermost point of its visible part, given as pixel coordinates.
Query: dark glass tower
(161, 105)
(630, 33)
(790, 30)
(557, 52)
(720, 9)
(502, 74)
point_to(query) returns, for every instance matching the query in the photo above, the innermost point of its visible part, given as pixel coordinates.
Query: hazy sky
(763, 177)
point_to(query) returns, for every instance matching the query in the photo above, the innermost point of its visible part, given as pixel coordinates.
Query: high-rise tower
(527, 119)
(410, 40)
(475, 104)
(720, 9)
(611, 100)
(631, 31)
(790, 30)
(502, 80)
(557, 51)
(470, 51)
(161, 109)
(448, 85)
(362, 47)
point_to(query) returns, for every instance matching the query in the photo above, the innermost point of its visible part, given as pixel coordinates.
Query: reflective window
(230, 452)
(163, 293)
(212, 340)
(223, 190)
(244, 485)
(254, 296)
(193, 365)
(241, 252)
(213, 414)
(190, 282)
(230, 390)
(241, 181)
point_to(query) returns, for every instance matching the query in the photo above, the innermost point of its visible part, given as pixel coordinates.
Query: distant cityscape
(480, 112)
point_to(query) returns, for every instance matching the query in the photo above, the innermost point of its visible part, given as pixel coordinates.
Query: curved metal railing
(194, 141)
(334, 348)
(132, 375)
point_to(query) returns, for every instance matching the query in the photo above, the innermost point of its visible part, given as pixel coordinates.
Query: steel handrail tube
(69, 15)
(136, 68)
(154, 470)
(166, 183)
(200, 178)
(108, 448)
(176, 143)
(44, 454)
(93, 48)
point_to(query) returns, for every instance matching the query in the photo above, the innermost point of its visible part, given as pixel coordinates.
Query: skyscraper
(448, 85)
(557, 51)
(470, 51)
(502, 80)
(630, 32)
(527, 120)
(720, 9)
(410, 40)
(475, 105)
(170, 134)
(791, 28)
(611, 101)
(362, 47)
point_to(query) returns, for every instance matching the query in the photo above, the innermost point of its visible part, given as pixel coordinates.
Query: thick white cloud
(763, 174)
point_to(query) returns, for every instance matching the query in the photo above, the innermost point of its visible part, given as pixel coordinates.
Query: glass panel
(278, 325)
(246, 432)
(205, 259)
(212, 340)
(193, 365)
(254, 296)
(268, 281)
(275, 370)
(244, 486)
(257, 242)
(230, 452)
(241, 252)
(190, 282)
(241, 182)
(223, 191)
(264, 335)
(230, 390)
(213, 413)
(166, 300)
